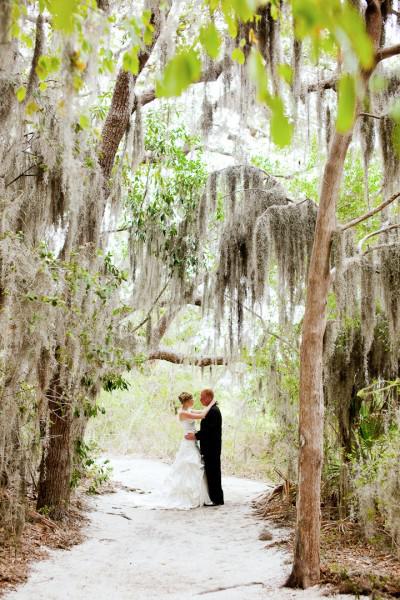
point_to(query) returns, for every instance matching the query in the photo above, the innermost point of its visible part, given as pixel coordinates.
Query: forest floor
(130, 551)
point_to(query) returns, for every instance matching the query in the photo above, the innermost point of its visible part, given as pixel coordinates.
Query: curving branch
(181, 359)
(374, 233)
(370, 213)
(210, 74)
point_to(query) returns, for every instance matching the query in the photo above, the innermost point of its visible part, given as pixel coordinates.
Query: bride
(186, 485)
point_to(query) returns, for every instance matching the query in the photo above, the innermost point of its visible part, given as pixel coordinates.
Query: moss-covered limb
(210, 73)
(180, 359)
(123, 100)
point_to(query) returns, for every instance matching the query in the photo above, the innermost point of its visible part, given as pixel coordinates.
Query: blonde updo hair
(185, 397)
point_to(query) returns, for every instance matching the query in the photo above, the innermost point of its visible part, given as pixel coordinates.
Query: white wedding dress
(185, 487)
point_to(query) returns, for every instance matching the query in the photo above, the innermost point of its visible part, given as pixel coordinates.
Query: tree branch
(151, 308)
(374, 233)
(122, 103)
(388, 52)
(369, 214)
(318, 86)
(372, 116)
(379, 247)
(210, 74)
(180, 359)
(38, 51)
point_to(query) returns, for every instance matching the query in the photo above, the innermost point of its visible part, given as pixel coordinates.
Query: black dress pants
(212, 465)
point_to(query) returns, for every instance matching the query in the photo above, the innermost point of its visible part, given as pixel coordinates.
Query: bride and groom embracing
(194, 478)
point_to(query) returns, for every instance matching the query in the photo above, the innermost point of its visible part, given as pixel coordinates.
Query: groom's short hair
(209, 393)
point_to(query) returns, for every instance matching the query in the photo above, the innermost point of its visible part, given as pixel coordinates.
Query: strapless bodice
(188, 426)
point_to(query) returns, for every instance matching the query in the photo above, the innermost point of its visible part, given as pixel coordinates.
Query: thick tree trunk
(56, 464)
(306, 565)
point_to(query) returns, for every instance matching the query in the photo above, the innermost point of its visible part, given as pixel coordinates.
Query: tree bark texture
(56, 463)
(180, 359)
(123, 101)
(306, 565)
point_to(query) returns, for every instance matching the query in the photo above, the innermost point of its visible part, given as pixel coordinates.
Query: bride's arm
(196, 414)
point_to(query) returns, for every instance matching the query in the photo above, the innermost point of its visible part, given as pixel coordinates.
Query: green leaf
(182, 70)
(130, 61)
(31, 108)
(238, 56)
(259, 75)
(346, 104)
(244, 9)
(46, 65)
(280, 127)
(210, 39)
(84, 121)
(395, 111)
(286, 72)
(396, 138)
(21, 93)
(63, 13)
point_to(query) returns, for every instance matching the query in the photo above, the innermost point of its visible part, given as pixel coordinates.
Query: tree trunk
(306, 565)
(56, 464)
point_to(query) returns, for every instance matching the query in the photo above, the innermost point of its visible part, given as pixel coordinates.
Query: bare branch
(374, 233)
(370, 213)
(366, 114)
(388, 52)
(267, 331)
(151, 308)
(379, 247)
(181, 359)
(318, 86)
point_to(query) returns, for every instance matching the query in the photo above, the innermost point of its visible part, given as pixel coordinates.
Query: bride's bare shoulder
(184, 414)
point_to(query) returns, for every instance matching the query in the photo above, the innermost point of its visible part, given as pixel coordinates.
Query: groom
(210, 436)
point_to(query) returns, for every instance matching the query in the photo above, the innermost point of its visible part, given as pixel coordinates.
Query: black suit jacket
(210, 433)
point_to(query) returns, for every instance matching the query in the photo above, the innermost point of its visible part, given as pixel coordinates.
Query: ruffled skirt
(185, 487)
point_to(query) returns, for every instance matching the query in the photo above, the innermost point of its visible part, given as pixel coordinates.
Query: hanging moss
(138, 139)
(389, 267)
(245, 193)
(367, 139)
(284, 235)
(387, 134)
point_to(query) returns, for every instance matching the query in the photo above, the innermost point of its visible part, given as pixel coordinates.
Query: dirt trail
(141, 554)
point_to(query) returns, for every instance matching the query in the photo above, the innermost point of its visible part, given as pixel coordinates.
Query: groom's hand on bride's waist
(190, 436)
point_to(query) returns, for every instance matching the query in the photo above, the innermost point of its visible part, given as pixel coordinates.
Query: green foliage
(164, 193)
(281, 128)
(210, 39)
(114, 381)
(87, 469)
(182, 70)
(347, 103)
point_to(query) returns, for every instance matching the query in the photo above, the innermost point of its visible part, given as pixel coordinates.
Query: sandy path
(140, 554)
